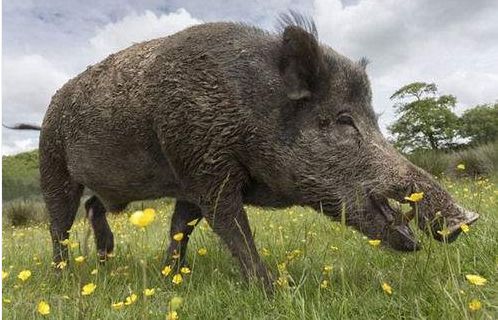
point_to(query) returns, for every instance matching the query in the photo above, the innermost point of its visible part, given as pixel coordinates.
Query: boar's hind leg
(104, 238)
(185, 217)
(62, 197)
(229, 221)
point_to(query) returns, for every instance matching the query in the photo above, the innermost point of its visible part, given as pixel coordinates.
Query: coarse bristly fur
(220, 115)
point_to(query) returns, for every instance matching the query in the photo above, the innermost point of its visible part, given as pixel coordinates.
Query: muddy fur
(219, 115)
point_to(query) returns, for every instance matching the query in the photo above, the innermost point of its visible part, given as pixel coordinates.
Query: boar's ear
(302, 63)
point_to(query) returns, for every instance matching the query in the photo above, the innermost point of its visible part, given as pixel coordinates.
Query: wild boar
(224, 114)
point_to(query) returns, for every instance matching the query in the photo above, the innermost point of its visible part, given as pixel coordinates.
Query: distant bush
(23, 212)
(478, 161)
(20, 176)
(433, 161)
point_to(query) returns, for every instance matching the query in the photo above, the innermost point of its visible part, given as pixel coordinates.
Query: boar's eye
(323, 123)
(345, 119)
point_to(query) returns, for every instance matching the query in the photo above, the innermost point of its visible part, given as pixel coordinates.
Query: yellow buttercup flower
(283, 282)
(73, 245)
(476, 279)
(444, 232)
(465, 228)
(117, 305)
(185, 270)
(282, 267)
(387, 288)
(461, 166)
(202, 251)
(88, 289)
(193, 222)
(327, 269)
(172, 315)
(24, 275)
(374, 243)
(79, 259)
(4, 275)
(475, 305)
(166, 271)
(61, 265)
(178, 236)
(43, 308)
(143, 218)
(130, 299)
(415, 197)
(324, 284)
(94, 272)
(175, 303)
(149, 292)
(177, 278)
(293, 254)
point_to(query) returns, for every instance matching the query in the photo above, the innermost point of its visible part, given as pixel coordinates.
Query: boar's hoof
(103, 256)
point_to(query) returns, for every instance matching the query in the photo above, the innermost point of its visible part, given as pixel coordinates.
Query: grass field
(332, 271)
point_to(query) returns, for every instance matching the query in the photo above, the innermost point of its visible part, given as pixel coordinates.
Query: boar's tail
(23, 126)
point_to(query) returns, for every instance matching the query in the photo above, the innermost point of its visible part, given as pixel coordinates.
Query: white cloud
(472, 87)
(136, 28)
(18, 146)
(28, 83)
(364, 28)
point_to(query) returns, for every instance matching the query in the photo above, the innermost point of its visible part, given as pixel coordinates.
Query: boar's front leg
(185, 217)
(228, 220)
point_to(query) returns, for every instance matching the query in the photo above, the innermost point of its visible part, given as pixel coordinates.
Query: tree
(480, 124)
(425, 119)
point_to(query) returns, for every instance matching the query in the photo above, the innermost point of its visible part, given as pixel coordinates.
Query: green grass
(429, 284)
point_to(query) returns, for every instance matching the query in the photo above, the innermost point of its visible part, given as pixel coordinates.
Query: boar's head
(335, 157)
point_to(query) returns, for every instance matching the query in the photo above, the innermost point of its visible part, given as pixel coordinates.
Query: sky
(452, 43)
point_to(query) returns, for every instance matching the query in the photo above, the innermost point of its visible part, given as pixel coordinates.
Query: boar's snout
(438, 214)
(447, 228)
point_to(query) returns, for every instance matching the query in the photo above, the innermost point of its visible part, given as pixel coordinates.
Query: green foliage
(20, 176)
(478, 161)
(426, 120)
(480, 124)
(436, 162)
